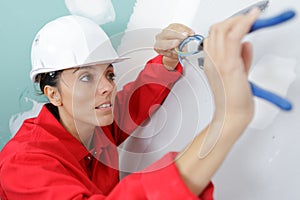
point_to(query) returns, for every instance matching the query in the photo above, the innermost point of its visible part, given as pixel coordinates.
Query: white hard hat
(70, 41)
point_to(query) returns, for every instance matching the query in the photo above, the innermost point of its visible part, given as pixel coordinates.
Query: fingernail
(185, 34)
(255, 11)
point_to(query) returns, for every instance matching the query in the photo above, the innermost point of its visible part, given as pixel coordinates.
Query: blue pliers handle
(257, 91)
(271, 97)
(272, 21)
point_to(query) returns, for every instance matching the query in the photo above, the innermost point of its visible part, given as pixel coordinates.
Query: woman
(63, 154)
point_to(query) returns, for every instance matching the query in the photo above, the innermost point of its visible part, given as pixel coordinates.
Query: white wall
(264, 164)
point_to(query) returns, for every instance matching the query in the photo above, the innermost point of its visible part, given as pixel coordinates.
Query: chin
(105, 121)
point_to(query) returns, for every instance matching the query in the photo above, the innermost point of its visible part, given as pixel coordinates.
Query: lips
(104, 106)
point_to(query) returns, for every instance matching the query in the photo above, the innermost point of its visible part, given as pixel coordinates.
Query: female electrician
(69, 150)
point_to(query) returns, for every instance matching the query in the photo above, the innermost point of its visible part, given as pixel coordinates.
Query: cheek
(82, 97)
(82, 103)
(114, 93)
(78, 97)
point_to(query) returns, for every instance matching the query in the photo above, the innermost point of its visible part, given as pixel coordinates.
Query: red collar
(49, 123)
(102, 137)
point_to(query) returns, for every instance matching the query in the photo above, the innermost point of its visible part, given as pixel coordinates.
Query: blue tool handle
(271, 97)
(257, 91)
(278, 19)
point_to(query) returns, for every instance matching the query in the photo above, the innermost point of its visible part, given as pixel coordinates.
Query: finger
(166, 44)
(218, 36)
(247, 55)
(169, 34)
(173, 54)
(227, 35)
(181, 28)
(235, 35)
(175, 31)
(167, 53)
(243, 27)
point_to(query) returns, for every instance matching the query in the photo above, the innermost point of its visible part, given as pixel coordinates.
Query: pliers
(258, 24)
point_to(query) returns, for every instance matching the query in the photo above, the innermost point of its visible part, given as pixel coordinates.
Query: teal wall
(19, 22)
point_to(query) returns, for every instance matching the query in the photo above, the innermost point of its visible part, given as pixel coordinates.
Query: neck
(82, 132)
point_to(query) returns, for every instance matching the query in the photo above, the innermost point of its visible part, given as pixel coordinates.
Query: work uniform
(44, 161)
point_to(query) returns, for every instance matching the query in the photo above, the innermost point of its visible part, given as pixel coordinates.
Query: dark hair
(49, 78)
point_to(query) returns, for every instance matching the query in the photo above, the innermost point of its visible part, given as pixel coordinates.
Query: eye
(85, 78)
(111, 76)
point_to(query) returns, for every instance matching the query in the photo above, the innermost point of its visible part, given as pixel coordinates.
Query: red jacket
(44, 161)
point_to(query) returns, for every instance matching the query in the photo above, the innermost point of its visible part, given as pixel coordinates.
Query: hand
(168, 40)
(227, 63)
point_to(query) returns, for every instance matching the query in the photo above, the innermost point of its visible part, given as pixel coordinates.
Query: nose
(105, 86)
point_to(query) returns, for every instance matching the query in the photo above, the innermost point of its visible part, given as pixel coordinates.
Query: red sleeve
(159, 181)
(142, 97)
(164, 175)
(25, 178)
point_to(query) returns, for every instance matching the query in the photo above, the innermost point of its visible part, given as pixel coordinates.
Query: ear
(53, 95)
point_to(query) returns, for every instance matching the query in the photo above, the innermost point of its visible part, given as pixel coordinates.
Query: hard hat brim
(108, 61)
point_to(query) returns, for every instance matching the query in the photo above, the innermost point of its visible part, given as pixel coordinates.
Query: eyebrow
(79, 68)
